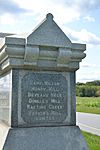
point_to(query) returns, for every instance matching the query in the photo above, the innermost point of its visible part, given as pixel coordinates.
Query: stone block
(42, 98)
(45, 138)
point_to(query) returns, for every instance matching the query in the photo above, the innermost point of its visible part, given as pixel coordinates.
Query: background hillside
(88, 89)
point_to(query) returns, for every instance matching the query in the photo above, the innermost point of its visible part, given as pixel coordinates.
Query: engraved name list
(44, 98)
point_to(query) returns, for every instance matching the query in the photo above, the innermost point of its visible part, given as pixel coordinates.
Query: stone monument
(37, 90)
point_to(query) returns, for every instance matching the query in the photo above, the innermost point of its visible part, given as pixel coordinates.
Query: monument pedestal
(37, 90)
(45, 138)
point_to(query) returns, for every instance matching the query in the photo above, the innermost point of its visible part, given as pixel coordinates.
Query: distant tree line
(88, 89)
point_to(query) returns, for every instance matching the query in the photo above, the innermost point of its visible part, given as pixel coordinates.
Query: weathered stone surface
(5, 98)
(49, 34)
(42, 84)
(45, 138)
(42, 98)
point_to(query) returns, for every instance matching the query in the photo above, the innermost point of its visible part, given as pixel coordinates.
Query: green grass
(92, 140)
(88, 104)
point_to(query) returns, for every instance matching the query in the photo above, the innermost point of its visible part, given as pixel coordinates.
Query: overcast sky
(79, 19)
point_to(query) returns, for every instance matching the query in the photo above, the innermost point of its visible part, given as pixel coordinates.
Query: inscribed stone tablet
(44, 98)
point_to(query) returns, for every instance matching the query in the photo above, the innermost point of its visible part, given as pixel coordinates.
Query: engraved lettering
(44, 99)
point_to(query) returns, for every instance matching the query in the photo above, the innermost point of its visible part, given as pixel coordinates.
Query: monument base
(45, 138)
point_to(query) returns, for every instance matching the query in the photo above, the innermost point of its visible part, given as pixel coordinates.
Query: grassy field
(92, 140)
(88, 104)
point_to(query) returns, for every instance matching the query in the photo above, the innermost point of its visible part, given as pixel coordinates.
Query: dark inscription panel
(44, 98)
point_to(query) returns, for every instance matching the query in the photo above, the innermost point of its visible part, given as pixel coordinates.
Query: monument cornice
(47, 47)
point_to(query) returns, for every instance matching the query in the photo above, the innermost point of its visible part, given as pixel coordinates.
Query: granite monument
(37, 90)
